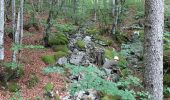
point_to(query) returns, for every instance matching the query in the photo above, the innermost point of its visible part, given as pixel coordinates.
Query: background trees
(2, 21)
(108, 34)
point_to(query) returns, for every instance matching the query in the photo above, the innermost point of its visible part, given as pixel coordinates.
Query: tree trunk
(153, 48)
(13, 27)
(2, 29)
(21, 20)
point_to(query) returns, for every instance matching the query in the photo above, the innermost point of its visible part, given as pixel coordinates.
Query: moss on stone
(58, 39)
(63, 48)
(80, 44)
(109, 53)
(48, 59)
(60, 54)
(108, 41)
(93, 31)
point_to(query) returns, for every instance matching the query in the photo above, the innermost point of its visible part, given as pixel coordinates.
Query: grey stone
(110, 64)
(76, 59)
(62, 61)
(87, 40)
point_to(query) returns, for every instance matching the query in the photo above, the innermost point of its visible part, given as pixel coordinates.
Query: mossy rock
(80, 44)
(108, 41)
(63, 48)
(60, 54)
(33, 81)
(13, 87)
(48, 59)
(93, 31)
(57, 39)
(109, 53)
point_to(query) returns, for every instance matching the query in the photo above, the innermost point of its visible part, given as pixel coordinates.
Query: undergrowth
(94, 78)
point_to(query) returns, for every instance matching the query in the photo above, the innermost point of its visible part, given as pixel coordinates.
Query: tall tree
(13, 27)
(2, 4)
(153, 48)
(21, 19)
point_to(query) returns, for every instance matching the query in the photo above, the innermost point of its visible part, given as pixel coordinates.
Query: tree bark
(2, 4)
(153, 48)
(13, 27)
(21, 20)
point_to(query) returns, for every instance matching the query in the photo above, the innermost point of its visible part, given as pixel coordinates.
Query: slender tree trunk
(21, 20)
(115, 12)
(153, 48)
(13, 28)
(2, 4)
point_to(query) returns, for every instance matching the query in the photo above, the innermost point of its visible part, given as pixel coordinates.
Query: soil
(31, 59)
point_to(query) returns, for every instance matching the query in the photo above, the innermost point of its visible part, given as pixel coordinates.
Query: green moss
(63, 48)
(108, 41)
(48, 59)
(166, 79)
(32, 81)
(60, 54)
(13, 87)
(122, 61)
(8, 30)
(80, 44)
(49, 87)
(92, 31)
(166, 56)
(109, 53)
(57, 39)
(65, 27)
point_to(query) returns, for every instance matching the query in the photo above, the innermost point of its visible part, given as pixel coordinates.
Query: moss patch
(32, 81)
(80, 44)
(109, 53)
(57, 39)
(63, 48)
(93, 31)
(166, 79)
(49, 87)
(108, 41)
(48, 59)
(60, 54)
(13, 87)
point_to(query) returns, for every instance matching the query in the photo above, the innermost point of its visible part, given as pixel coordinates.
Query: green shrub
(80, 44)
(65, 27)
(108, 41)
(32, 81)
(13, 87)
(92, 31)
(60, 54)
(48, 59)
(122, 61)
(58, 39)
(63, 48)
(109, 53)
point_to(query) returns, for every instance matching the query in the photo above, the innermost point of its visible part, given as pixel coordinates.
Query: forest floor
(31, 60)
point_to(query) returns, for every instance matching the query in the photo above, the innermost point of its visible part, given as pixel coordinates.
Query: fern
(93, 78)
